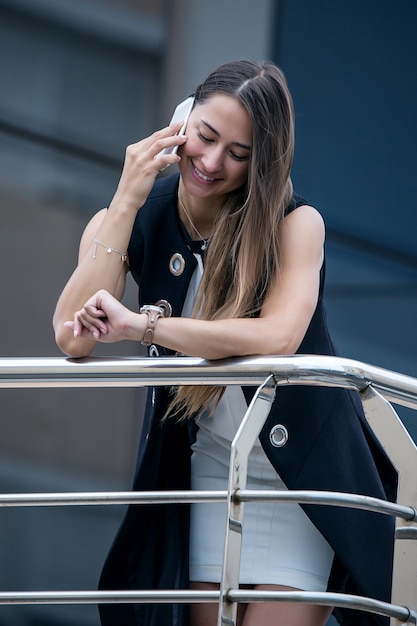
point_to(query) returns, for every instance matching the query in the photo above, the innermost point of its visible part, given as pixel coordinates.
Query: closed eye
(204, 138)
(236, 157)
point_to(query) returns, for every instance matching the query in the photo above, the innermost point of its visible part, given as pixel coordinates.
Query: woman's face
(215, 157)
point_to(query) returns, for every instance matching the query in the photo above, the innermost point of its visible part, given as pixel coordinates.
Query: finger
(168, 154)
(72, 327)
(165, 136)
(96, 327)
(93, 330)
(94, 312)
(175, 126)
(163, 161)
(77, 326)
(159, 135)
(93, 316)
(84, 323)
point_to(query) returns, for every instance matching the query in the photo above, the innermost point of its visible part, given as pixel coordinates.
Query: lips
(201, 176)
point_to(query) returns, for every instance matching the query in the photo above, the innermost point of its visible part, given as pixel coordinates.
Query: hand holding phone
(182, 112)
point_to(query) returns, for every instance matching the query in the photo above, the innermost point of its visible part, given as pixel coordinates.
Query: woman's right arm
(96, 268)
(101, 265)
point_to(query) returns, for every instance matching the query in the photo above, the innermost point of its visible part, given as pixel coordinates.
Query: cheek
(241, 173)
(190, 148)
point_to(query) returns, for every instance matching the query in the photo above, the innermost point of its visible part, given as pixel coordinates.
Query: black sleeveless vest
(330, 447)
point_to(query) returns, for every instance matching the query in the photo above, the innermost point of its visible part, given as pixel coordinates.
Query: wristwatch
(154, 311)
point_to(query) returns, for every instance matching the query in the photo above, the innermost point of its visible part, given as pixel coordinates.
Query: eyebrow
(235, 143)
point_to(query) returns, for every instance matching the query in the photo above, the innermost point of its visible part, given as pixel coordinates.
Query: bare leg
(265, 613)
(206, 614)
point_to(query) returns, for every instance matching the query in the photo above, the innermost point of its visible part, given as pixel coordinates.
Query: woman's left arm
(287, 310)
(280, 328)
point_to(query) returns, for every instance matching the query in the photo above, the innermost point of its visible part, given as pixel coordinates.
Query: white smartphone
(182, 112)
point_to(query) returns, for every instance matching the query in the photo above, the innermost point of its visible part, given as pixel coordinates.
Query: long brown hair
(243, 256)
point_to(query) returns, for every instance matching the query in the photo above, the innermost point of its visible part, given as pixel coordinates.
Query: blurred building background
(80, 79)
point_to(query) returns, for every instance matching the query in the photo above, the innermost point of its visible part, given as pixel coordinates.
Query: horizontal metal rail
(329, 498)
(375, 385)
(133, 372)
(194, 597)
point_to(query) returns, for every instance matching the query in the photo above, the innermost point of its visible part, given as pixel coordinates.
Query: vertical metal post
(402, 452)
(242, 444)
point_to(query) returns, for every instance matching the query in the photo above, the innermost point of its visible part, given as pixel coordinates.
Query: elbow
(286, 346)
(73, 347)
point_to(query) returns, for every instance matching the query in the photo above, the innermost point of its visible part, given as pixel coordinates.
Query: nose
(212, 159)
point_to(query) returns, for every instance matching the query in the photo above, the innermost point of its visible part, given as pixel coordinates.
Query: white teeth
(202, 175)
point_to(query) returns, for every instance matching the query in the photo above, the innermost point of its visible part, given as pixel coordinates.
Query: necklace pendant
(204, 246)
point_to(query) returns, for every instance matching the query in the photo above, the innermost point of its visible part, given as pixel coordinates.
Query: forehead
(226, 115)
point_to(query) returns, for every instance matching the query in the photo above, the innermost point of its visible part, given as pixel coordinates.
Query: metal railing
(377, 388)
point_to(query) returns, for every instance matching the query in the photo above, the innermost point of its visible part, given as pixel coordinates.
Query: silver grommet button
(278, 436)
(177, 264)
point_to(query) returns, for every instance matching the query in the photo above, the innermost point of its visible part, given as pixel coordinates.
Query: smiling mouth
(207, 179)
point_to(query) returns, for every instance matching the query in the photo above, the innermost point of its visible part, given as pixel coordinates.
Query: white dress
(280, 545)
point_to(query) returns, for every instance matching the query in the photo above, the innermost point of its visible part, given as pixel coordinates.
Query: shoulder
(302, 215)
(298, 201)
(303, 229)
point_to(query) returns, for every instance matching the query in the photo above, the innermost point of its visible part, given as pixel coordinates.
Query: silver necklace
(199, 235)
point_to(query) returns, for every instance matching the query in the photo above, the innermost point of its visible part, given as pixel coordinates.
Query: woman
(232, 212)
